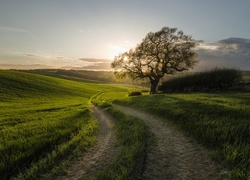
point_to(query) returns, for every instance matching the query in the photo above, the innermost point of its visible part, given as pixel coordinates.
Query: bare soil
(174, 156)
(100, 155)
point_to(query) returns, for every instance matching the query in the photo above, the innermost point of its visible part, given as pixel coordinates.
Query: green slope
(16, 84)
(43, 120)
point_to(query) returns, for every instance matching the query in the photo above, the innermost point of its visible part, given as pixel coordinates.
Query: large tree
(163, 52)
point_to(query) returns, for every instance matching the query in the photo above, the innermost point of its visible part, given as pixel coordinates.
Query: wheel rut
(100, 155)
(174, 156)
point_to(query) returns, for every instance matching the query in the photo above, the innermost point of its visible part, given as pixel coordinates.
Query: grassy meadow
(219, 121)
(43, 119)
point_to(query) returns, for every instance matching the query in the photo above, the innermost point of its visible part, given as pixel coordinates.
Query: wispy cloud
(94, 67)
(128, 44)
(49, 57)
(95, 64)
(117, 48)
(12, 29)
(17, 60)
(207, 46)
(95, 60)
(83, 30)
(26, 66)
(30, 55)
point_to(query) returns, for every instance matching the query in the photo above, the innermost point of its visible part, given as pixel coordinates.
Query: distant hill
(87, 76)
(16, 84)
(108, 76)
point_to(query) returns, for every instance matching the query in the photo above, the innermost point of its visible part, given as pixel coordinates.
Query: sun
(115, 50)
(125, 58)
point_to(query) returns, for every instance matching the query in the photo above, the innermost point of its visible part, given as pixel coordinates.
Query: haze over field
(88, 34)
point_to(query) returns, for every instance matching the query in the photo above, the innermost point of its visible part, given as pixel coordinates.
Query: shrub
(134, 92)
(215, 79)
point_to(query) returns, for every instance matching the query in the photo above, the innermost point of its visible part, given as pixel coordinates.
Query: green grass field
(220, 122)
(43, 119)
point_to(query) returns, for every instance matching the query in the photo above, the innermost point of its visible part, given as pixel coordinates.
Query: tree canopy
(163, 52)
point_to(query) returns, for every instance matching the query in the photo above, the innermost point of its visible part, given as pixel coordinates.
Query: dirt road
(99, 155)
(174, 156)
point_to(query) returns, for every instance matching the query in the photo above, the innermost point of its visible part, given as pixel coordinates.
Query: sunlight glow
(115, 50)
(125, 58)
(207, 46)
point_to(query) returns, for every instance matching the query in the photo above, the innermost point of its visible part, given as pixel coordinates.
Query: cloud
(40, 56)
(17, 60)
(114, 46)
(48, 57)
(227, 46)
(238, 41)
(30, 55)
(206, 46)
(98, 66)
(25, 66)
(94, 64)
(230, 52)
(94, 60)
(85, 31)
(90, 64)
(239, 45)
(94, 67)
(12, 29)
(117, 49)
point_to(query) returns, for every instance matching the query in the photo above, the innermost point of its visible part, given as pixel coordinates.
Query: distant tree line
(215, 79)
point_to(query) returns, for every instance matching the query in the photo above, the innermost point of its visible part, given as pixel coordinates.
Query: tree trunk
(153, 86)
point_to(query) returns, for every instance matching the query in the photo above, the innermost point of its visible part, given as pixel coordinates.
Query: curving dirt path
(99, 155)
(174, 156)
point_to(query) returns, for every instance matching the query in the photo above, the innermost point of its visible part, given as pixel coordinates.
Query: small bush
(134, 93)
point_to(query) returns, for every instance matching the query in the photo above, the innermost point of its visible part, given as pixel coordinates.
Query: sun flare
(115, 50)
(125, 58)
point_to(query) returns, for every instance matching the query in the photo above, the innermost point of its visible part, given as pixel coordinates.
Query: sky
(88, 34)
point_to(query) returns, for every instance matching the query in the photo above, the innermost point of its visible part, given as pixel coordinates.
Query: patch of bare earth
(174, 156)
(100, 155)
